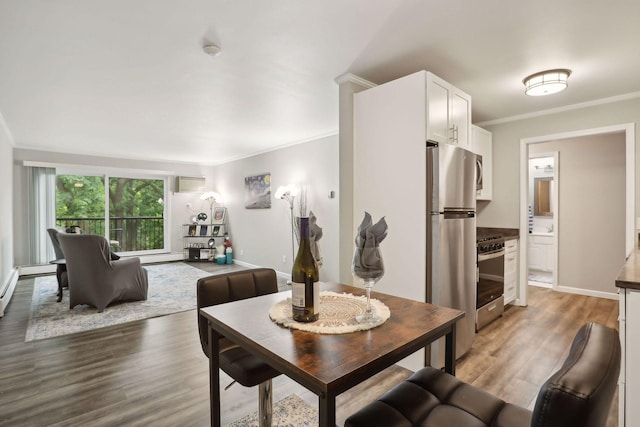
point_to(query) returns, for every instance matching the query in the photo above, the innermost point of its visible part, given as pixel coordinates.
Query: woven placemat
(337, 314)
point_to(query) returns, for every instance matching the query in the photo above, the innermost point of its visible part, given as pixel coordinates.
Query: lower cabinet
(510, 270)
(541, 253)
(629, 391)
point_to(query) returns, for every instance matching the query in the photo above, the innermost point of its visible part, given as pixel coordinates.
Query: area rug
(291, 411)
(172, 288)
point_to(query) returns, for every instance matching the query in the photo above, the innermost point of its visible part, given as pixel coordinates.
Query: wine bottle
(305, 294)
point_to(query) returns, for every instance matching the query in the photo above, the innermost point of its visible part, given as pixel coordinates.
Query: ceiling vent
(190, 184)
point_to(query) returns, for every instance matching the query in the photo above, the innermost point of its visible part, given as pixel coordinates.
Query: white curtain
(42, 213)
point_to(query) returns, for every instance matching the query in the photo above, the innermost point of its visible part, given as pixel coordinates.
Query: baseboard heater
(7, 291)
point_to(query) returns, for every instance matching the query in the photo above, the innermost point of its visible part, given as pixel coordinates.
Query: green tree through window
(135, 205)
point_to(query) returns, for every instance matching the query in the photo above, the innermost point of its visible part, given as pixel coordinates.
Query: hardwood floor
(153, 372)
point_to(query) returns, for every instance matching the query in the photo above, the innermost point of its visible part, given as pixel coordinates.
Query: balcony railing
(128, 234)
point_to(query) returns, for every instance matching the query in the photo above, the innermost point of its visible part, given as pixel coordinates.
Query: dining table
(327, 364)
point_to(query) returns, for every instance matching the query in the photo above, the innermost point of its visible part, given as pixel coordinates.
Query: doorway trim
(630, 166)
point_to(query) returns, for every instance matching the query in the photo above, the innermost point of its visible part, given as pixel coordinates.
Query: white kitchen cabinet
(629, 386)
(541, 253)
(482, 144)
(510, 270)
(448, 113)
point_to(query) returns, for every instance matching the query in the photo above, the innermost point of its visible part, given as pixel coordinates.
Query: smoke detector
(211, 49)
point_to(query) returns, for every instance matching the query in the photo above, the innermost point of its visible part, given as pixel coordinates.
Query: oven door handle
(485, 257)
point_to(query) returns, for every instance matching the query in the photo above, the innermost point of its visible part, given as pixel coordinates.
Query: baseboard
(27, 270)
(7, 290)
(540, 284)
(588, 293)
(248, 265)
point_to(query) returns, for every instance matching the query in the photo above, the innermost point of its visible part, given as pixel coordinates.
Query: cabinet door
(510, 270)
(460, 118)
(632, 350)
(536, 256)
(437, 110)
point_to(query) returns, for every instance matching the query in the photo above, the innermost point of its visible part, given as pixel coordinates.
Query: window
(136, 214)
(129, 212)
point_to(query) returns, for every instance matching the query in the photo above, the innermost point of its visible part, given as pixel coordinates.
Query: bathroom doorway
(593, 236)
(543, 217)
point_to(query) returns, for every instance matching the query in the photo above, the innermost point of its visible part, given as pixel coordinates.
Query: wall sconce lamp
(546, 82)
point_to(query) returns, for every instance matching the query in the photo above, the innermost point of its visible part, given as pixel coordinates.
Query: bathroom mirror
(542, 188)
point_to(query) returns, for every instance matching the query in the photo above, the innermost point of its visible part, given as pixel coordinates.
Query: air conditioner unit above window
(190, 184)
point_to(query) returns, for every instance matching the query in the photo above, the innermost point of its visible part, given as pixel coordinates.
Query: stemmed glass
(367, 265)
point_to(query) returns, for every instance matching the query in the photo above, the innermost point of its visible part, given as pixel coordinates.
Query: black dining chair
(236, 362)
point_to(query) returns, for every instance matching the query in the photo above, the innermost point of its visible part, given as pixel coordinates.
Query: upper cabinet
(448, 113)
(481, 144)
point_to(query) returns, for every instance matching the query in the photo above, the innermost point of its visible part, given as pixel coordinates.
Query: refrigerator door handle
(459, 213)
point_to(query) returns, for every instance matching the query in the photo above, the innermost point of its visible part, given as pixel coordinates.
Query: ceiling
(129, 79)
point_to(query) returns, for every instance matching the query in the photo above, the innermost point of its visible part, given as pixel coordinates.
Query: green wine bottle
(305, 295)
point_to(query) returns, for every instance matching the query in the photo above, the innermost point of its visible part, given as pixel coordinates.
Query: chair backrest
(581, 392)
(222, 288)
(86, 255)
(53, 235)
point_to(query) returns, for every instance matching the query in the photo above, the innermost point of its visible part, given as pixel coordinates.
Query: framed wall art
(257, 191)
(218, 215)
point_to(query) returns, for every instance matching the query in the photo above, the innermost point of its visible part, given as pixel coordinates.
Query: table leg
(327, 410)
(450, 351)
(59, 271)
(214, 377)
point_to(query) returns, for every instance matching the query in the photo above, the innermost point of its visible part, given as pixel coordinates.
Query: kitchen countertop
(507, 233)
(629, 276)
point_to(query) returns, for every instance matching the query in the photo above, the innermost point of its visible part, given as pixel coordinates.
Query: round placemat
(337, 314)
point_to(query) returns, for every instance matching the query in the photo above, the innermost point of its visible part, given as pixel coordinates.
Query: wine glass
(368, 266)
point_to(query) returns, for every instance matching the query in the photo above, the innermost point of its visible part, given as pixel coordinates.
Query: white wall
(263, 236)
(6, 204)
(177, 202)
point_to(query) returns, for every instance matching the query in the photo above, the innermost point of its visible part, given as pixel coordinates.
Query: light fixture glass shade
(546, 82)
(284, 191)
(210, 196)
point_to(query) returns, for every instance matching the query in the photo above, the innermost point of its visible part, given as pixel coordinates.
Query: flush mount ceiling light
(211, 49)
(546, 82)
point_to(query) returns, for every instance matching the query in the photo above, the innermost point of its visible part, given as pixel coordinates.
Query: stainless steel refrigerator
(451, 240)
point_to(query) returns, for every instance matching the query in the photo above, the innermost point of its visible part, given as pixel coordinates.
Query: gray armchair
(94, 278)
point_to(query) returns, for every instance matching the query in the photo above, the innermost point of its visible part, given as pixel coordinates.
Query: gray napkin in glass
(315, 234)
(367, 261)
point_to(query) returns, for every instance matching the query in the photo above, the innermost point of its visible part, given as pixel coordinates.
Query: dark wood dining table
(327, 364)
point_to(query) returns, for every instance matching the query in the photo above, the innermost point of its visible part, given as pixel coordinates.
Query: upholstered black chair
(239, 364)
(577, 395)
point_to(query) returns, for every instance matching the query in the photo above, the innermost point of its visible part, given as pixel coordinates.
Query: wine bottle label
(305, 301)
(297, 295)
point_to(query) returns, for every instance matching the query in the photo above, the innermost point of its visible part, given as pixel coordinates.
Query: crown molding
(596, 102)
(352, 78)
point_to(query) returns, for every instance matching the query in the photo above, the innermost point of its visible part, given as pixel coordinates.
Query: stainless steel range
(490, 291)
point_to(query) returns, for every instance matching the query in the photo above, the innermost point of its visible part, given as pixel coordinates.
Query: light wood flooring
(153, 372)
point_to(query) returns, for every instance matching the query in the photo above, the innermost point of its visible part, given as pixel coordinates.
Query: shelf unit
(196, 240)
